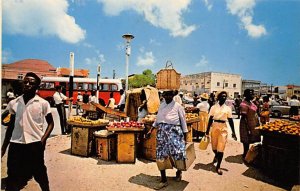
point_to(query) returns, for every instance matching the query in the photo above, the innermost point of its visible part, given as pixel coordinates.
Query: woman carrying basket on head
(171, 134)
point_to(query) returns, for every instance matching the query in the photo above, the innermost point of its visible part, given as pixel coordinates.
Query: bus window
(105, 87)
(85, 86)
(90, 86)
(74, 86)
(94, 86)
(114, 87)
(80, 86)
(49, 85)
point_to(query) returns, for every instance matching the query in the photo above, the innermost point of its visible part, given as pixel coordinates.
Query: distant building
(211, 82)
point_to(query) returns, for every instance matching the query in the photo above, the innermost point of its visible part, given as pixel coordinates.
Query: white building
(210, 82)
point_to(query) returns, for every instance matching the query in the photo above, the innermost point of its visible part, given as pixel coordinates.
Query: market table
(126, 143)
(82, 139)
(190, 124)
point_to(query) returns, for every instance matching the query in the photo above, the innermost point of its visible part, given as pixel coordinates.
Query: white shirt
(294, 102)
(122, 99)
(80, 98)
(220, 112)
(30, 119)
(172, 113)
(59, 97)
(177, 99)
(203, 106)
(93, 99)
(142, 114)
(111, 103)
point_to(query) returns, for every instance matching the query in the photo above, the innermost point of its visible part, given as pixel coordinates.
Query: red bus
(106, 86)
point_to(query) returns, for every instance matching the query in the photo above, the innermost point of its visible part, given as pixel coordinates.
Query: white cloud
(146, 60)
(203, 63)
(208, 4)
(100, 59)
(244, 10)
(154, 42)
(166, 14)
(35, 17)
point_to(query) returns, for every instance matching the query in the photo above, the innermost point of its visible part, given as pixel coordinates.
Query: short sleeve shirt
(59, 97)
(203, 106)
(30, 119)
(220, 112)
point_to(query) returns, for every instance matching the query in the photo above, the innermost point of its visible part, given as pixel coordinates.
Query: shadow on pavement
(207, 167)
(259, 175)
(234, 159)
(67, 152)
(152, 181)
(3, 183)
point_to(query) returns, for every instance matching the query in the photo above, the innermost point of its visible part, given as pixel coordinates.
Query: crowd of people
(27, 139)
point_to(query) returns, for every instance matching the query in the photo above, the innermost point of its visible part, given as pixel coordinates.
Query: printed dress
(170, 142)
(249, 122)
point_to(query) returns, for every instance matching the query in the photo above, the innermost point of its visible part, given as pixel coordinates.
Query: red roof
(31, 65)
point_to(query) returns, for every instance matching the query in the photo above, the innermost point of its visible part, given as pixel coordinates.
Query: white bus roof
(83, 80)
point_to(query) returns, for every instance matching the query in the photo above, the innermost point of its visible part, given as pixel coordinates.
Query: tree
(142, 80)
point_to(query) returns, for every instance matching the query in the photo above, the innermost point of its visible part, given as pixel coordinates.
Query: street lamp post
(128, 38)
(98, 80)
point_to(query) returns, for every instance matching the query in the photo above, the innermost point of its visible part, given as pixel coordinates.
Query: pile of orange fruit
(282, 126)
(189, 116)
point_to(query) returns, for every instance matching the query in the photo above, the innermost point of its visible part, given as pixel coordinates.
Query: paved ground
(68, 172)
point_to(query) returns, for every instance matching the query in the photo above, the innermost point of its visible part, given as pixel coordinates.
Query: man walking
(26, 137)
(59, 99)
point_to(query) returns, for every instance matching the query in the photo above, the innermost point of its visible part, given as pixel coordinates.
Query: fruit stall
(281, 148)
(82, 139)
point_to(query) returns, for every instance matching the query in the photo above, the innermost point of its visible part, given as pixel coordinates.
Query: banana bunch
(84, 121)
(282, 126)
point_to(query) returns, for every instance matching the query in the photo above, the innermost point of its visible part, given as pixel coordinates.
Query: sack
(190, 158)
(252, 153)
(264, 113)
(204, 143)
(164, 164)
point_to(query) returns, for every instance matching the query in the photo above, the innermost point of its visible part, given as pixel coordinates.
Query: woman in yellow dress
(218, 115)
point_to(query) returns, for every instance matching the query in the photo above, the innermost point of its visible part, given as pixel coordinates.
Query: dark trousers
(122, 107)
(62, 117)
(24, 162)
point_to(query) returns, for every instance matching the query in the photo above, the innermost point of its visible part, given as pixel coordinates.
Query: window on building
(234, 85)
(20, 77)
(218, 83)
(226, 84)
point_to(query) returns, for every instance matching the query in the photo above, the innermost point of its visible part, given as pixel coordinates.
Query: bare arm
(49, 129)
(232, 128)
(210, 121)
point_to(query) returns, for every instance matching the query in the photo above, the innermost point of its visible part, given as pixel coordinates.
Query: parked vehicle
(278, 110)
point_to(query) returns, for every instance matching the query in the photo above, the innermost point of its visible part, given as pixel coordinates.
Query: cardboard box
(82, 140)
(126, 142)
(106, 147)
(190, 158)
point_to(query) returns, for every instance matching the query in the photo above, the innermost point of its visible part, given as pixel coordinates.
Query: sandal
(219, 171)
(161, 185)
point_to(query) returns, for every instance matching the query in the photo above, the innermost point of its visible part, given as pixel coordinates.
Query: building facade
(211, 82)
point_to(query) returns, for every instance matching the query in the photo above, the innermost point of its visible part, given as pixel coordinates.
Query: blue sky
(258, 39)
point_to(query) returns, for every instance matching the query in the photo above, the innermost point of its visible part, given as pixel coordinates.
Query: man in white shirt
(59, 99)
(26, 137)
(79, 103)
(10, 95)
(121, 104)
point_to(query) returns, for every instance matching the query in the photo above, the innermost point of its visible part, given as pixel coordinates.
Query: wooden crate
(149, 145)
(126, 142)
(167, 79)
(106, 147)
(82, 140)
(189, 137)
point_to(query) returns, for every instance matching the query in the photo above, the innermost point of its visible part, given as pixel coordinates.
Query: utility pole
(114, 74)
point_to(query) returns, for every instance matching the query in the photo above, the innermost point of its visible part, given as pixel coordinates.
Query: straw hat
(204, 96)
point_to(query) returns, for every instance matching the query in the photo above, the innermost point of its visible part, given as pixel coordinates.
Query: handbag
(204, 143)
(5, 118)
(252, 153)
